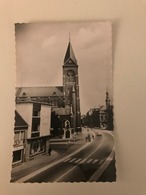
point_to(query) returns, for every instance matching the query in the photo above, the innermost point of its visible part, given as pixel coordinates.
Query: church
(64, 100)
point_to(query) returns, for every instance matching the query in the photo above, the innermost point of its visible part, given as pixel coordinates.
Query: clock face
(70, 73)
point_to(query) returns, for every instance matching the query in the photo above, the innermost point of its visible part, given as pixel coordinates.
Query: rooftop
(70, 54)
(20, 122)
(39, 91)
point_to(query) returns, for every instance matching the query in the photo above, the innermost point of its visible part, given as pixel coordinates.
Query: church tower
(71, 86)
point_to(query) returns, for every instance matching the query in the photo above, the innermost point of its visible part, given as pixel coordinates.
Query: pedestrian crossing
(84, 161)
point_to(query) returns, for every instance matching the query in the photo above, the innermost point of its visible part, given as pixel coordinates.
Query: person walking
(86, 138)
(50, 150)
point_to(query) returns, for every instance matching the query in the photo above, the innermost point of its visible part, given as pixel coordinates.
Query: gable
(20, 123)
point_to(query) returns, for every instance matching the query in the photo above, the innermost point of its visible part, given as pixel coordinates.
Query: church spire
(70, 53)
(69, 36)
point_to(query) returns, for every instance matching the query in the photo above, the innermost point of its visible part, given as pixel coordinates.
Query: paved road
(86, 165)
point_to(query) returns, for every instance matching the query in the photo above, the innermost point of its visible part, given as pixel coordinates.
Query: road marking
(65, 173)
(27, 177)
(99, 171)
(96, 160)
(67, 160)
(83, 161)
(73, 167)
(100, 162)
(73, 160)
(89, 160)
(78, 160)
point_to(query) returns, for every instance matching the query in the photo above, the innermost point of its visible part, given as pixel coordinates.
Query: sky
(40, 52)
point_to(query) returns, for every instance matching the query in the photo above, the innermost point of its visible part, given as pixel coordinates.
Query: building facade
(38, 117)
(20, 139)
(101, 117)
(109, 112)
(92, 118)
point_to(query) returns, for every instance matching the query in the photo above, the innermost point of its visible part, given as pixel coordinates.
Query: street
(86, 165)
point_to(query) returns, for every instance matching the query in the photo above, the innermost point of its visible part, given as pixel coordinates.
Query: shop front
(36, 146)
(18, 155)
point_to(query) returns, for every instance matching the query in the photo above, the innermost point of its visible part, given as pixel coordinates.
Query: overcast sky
(41, 48)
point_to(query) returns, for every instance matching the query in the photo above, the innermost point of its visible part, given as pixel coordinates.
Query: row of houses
(31, 130)
(35, 123)
(101, 117)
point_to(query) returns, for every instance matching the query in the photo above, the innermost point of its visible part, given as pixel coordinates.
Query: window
(22, 135)
(37, 146)
(16, 137)
(19, 138)
(35, 124)
(36, 109)
(17, 156)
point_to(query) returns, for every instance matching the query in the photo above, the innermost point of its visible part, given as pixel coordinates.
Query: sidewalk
(42, 160)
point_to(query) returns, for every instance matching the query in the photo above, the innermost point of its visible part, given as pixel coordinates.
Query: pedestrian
(86, 138)
(89, 137)
(50, 150)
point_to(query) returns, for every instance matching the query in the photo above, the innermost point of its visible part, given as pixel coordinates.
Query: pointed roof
(20, 123)
(70, 54)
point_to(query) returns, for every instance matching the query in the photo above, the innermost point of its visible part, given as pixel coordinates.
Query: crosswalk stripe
(73, 160)
(96, 160)
(67, 160)
(100, 162)
(89, 160)
(78, 160)
(83, 160)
